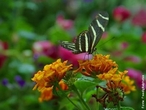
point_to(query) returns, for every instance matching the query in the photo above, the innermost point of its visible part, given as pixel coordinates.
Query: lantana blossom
(97, 65)
(47, 93)
(51, 74)
(100, 67)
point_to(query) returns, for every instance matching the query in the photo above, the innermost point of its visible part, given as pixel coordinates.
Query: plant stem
(77, 92)
(97, 97)
(67, 97)
(72, 102)
(119, 107)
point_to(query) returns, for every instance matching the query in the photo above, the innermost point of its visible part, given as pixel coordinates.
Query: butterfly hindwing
(82, 42)
(69, 46)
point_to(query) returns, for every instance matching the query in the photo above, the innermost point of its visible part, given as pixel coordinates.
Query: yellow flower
(99, 64)
(116, 79)
(51, 74)
(117, 84)
(127, 85)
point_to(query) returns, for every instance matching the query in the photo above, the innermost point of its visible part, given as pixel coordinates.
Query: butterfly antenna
(107, 41)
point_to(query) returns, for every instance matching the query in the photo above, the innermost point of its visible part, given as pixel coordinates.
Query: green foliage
(24, 22)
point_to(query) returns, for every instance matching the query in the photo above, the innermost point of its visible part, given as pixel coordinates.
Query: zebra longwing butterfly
(88, 39)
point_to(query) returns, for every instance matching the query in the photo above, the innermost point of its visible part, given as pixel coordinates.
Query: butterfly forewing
(87, 40)
(96, 29)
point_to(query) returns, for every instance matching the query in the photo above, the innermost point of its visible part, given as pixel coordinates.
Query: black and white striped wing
(96, 29)
(69, 46)
(82, 42)
(87, 40)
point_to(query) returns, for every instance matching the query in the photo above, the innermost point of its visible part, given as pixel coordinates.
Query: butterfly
(87, 40)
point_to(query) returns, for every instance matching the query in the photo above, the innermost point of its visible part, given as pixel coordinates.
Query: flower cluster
(100, 67)
(50, 76)
(107, 70)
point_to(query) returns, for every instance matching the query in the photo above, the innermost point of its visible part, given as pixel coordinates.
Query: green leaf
(84, 83)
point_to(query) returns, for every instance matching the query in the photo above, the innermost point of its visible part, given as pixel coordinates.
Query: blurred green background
(30, 31)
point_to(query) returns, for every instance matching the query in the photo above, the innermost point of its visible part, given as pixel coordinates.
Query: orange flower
(51, 75)
(99, 64)
(47, 93)
(105, 69)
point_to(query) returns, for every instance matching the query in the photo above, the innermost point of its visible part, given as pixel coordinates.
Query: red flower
(3, 46)
(143, 38)
(140, 18)
(64, 23)
(121, 14)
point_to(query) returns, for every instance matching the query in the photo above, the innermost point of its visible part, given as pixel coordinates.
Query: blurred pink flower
(143, 38)
(134, 59)
(45, 48)
(116, 53)
(3, 46)
(104, 35)
(124, 45)
(140, 18)
(121, 14)
(64, 23)
(137, 76)
(72, 58)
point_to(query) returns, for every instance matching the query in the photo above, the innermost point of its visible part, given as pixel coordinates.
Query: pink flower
(45, 48)
(104, 35)
(140, 18)
(64, 23)
(72, 58)
(134, 59)
(143, 38)
(124, 45)
(117, 53)
(48, 49)
(121, 14)
(3, 46)
(137, 76)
